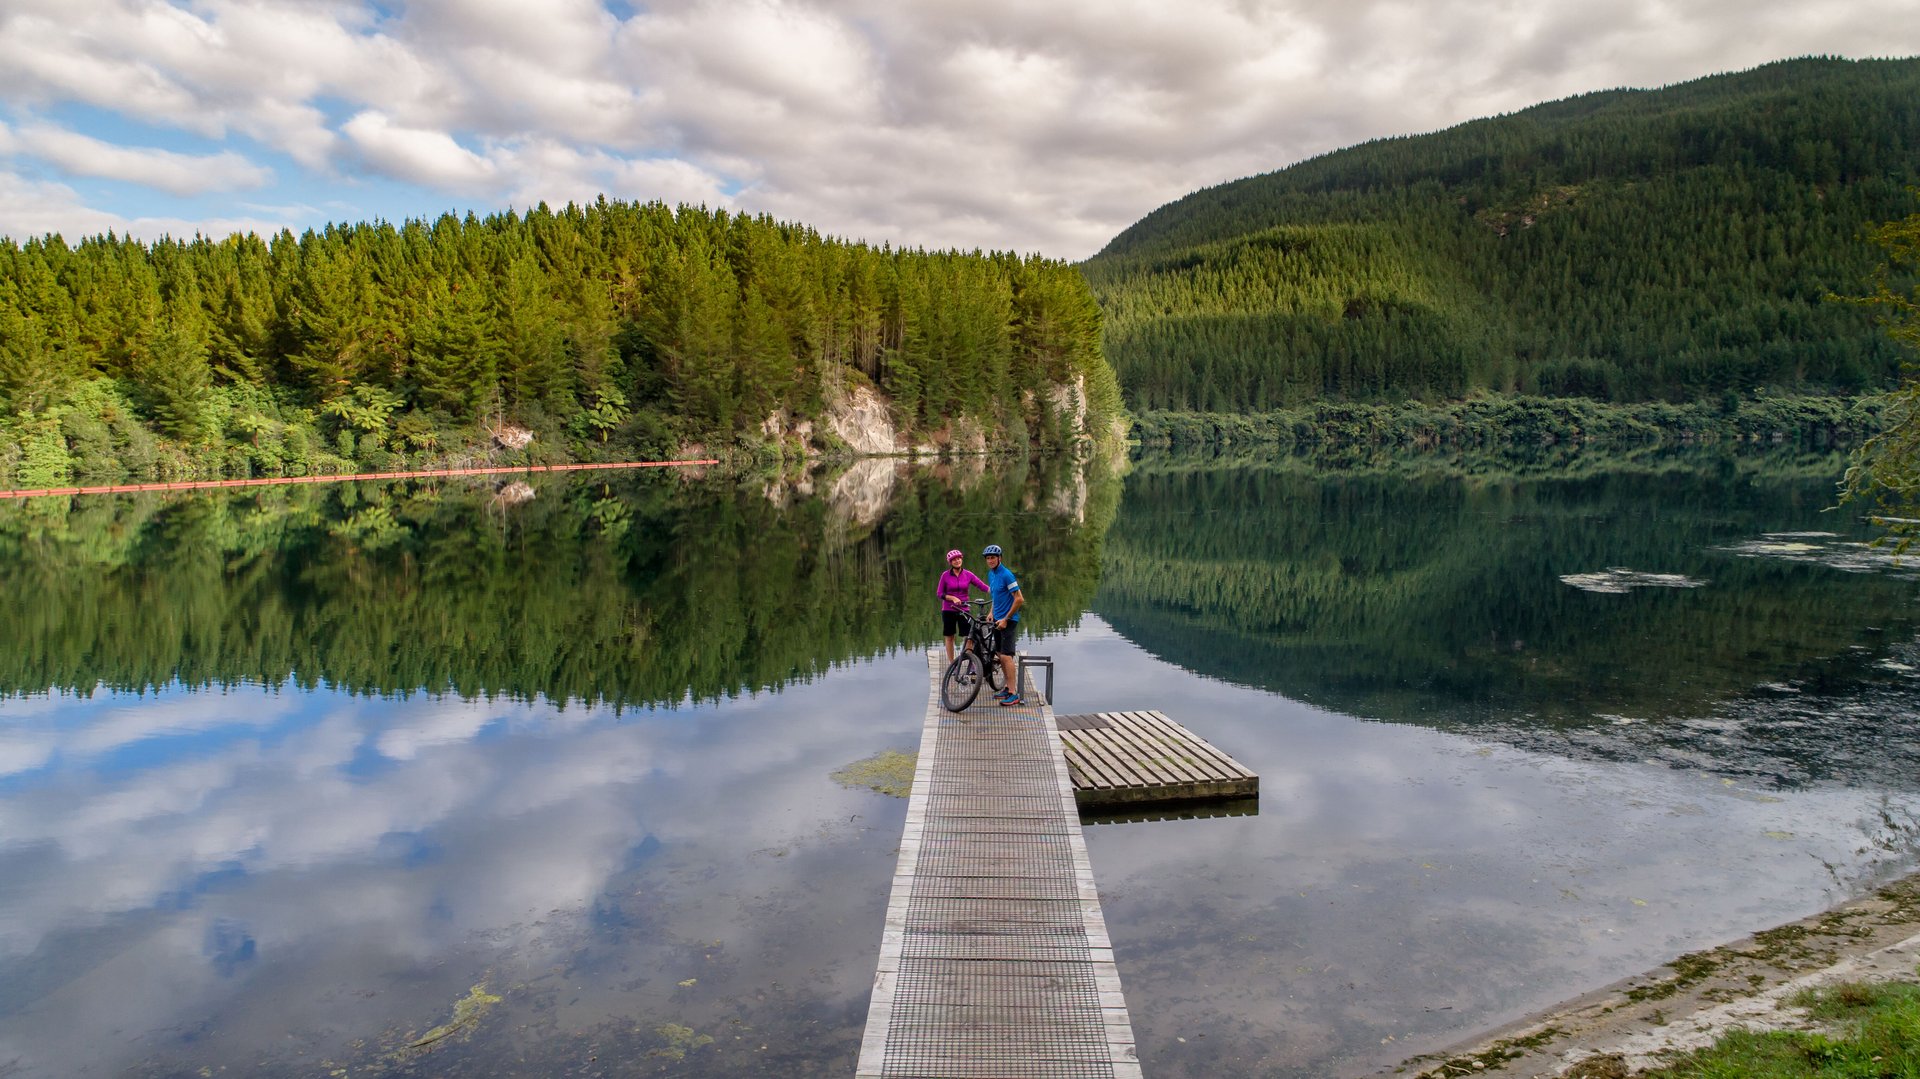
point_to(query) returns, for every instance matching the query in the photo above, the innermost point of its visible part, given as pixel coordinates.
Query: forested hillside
(1631, 245)
(608, 330)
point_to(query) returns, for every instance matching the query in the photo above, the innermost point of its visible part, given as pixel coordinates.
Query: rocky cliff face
(1069, 400)
(861, 419)
(864, 421)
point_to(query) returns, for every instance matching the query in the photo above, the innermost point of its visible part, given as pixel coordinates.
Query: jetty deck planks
(995, 960)
(1117, 758)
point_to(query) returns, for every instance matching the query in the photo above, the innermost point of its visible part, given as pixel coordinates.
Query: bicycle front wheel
(961, 684)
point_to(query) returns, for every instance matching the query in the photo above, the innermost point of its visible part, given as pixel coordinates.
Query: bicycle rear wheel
(961, 684)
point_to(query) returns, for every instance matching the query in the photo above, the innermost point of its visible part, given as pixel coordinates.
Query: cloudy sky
(1037, 126)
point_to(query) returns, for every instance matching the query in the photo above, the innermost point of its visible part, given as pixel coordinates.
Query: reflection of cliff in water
(631, 588)
(1437, 598)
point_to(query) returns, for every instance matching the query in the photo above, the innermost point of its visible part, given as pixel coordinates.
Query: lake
(470, 778)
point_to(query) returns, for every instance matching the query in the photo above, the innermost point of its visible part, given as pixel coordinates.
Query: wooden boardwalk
(995, 961)
(1119, 758)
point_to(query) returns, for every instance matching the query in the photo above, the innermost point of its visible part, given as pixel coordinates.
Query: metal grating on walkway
(995, 962)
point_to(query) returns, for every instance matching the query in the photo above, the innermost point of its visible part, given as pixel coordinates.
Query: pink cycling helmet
(951, 555)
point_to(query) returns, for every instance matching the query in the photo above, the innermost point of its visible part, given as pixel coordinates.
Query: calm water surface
(424, 780)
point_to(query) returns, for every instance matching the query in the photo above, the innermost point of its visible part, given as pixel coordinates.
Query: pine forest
(611, 331)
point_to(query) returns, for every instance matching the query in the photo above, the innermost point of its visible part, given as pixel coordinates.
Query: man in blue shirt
(1007, 601)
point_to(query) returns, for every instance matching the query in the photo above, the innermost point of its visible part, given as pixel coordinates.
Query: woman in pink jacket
(955, 584)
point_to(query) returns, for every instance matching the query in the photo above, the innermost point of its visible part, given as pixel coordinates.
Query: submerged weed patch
(467, 1013)
(889, 772)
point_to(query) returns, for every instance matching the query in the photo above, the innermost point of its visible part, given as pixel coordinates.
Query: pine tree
(331, 325)
(456, 350)
(174, 380)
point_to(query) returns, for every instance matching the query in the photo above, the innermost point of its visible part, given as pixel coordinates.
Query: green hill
(1661, 244)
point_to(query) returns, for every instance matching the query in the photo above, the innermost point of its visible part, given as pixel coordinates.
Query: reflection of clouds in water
(365, 835)
(1376, 874)
(25, 748)
(292, 807)
(1401, 887)
(80, 730)
(1826, 549)
(448, 721)
(1617, 580)
(174, 715)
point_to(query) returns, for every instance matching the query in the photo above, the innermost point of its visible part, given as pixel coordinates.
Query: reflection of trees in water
(633, 589)
(1437, 599)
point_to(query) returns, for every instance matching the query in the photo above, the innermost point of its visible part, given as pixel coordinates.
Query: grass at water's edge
(1859, 1030)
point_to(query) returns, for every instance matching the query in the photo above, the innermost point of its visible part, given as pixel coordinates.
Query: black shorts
(1004, 644)
(950, 623)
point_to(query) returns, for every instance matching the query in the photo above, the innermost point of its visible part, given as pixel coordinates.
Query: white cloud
(43, 60)
(794, 60)
(31, 208)
(429, 158)
(992, 123)
(175, 173)
(554, 173)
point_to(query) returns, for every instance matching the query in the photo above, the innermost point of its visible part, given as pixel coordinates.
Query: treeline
(1489, 420)
(585, 592)
(1672, 244)
(609, 330)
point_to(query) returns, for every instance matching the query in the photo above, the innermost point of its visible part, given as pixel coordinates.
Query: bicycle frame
(979, 631)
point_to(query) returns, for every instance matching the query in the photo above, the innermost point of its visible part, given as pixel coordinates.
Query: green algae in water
(889, 772)
(467, 1012)
(680, 1039)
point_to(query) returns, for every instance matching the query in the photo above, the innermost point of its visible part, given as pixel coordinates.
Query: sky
(1029, 125)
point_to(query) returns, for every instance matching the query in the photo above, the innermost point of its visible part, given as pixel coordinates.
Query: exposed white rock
(510, 436)
(863, 420)
(1070, 399)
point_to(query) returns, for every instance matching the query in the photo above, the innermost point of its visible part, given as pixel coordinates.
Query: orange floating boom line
(193, 485)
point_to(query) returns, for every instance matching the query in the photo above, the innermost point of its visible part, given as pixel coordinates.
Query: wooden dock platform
(1124, 758)
(995, 961)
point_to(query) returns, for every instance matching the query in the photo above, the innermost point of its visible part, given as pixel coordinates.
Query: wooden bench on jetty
(995, 961)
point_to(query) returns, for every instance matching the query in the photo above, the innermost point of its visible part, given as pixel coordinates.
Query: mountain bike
(976, 663)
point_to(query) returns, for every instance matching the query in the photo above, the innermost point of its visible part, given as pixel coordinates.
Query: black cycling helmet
(992, 549)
